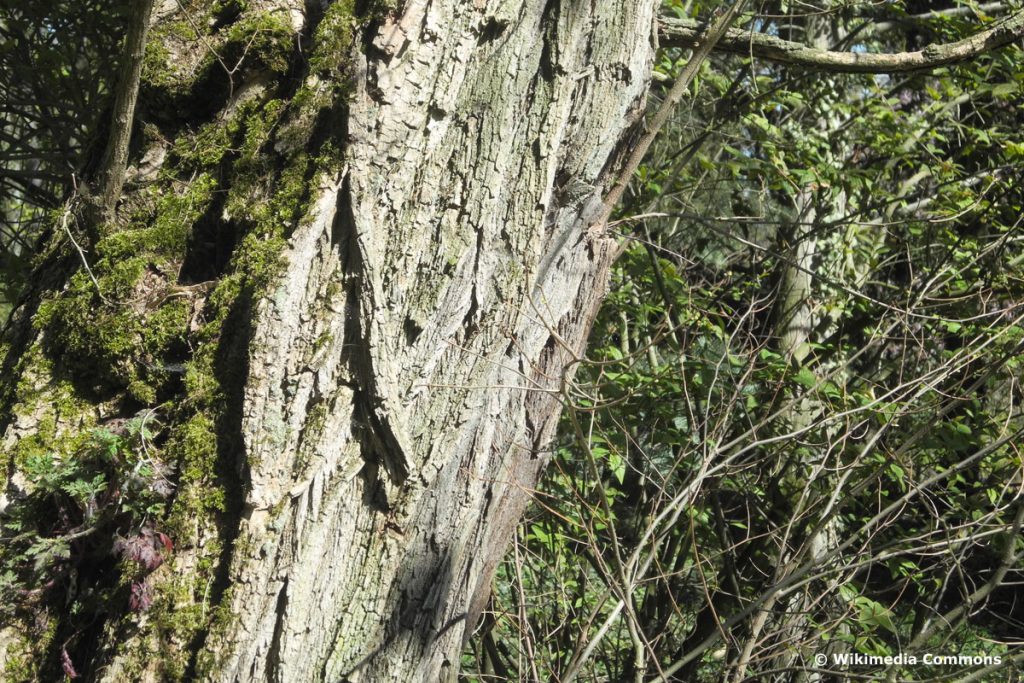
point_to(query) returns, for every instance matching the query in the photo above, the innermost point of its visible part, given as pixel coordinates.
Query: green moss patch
(135, 332)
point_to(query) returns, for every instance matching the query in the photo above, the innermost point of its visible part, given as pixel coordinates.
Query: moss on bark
(158, 319)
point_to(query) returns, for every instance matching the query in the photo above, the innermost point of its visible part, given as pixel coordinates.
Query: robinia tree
(282, 381)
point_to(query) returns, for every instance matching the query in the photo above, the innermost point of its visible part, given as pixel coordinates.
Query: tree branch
(918, 19)
(115, 158)
(687, 33)
(705, 40)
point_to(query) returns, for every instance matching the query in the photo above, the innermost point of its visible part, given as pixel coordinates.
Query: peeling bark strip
(687, 33)
(405, 372)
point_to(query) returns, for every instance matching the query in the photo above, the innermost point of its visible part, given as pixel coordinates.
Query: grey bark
(405, 372)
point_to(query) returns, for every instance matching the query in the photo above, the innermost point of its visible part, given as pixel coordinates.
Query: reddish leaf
(141, 549)
(65, 663)
(141, 597)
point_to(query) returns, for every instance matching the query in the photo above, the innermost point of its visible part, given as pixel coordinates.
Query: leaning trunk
(382, 269)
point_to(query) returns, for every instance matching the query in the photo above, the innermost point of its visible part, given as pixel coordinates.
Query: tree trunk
(374, 374)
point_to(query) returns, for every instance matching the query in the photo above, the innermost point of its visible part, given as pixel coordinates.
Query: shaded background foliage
(797, 429)
(56, 62)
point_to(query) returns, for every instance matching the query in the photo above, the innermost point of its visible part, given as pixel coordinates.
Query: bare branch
(708, 39)
(687, 33)
(957, 11)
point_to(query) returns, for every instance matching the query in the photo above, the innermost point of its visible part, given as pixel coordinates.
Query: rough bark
(403, 372)
(463, 289)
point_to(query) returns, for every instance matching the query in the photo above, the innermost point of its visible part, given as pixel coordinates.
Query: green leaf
(1004, 90)
(805, 377)
(617, 464)
(873, 614)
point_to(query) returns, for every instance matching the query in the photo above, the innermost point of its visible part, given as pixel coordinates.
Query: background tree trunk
(373, 375)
